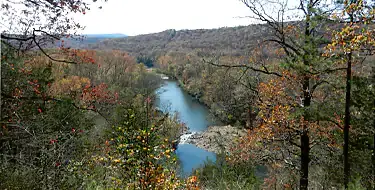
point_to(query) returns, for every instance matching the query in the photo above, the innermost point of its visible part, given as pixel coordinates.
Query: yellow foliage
(68, 85)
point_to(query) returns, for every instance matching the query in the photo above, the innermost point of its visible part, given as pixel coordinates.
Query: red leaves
(78, 55)
(17, 92)
(53, 141)
(116, 96)
(40, 110)
(36, 90)
(99, 93)
(74, 130)
(148, 100)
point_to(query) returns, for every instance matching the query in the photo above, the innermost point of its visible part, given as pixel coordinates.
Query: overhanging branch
(244, 66)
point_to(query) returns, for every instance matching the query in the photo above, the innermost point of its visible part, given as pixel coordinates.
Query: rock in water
(216, 138)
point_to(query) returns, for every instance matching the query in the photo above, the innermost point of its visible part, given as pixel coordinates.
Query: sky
(134, 17)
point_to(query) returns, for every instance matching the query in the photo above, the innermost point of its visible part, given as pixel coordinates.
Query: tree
(42, 128)
(30, 139)
(352, 43)
(300, 41)
(30, 24)
(39, 24)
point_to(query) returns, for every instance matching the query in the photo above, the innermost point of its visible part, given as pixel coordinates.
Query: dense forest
(228, 41)
(83, 116)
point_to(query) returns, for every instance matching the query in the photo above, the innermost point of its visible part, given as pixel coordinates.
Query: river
(173, 99)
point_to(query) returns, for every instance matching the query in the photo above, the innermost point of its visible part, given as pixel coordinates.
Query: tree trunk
(347, 121)
(250, 122)
(305, 151)
(373, 148)
(373, 153)
(1, 85)
(305, 140)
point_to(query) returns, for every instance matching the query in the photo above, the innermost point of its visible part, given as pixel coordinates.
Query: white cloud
(133, 17)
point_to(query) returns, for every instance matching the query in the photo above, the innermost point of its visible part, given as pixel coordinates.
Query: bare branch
(16, 38)
(244, 66)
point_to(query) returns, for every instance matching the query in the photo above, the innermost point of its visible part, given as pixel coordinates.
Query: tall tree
(352, 43)
(300, 41)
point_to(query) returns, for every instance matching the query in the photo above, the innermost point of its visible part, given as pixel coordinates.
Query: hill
(115, 35)
(89, 39)
(228, 41)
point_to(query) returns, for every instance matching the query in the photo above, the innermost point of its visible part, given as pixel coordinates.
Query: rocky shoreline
(216, 138)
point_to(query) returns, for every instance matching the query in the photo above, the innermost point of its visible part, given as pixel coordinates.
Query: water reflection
(191, 157)
(171, 98)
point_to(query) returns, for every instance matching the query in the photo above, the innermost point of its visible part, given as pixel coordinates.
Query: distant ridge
(235, 41)
(91, 39)
(115, 35)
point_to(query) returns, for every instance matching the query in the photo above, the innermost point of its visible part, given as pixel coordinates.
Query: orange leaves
(353, 6)
(277, 116)
(99, 93)
(280, 52)
(115, 62)
(353, 36)
(17, 92)
(291, 30)
(192, 183)
(165, 60)
(69, 85)
(81, 89)
(35, 62)
(78, 55)
(273, 92)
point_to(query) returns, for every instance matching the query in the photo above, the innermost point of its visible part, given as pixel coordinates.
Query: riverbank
(217, 138)
(195, 96)
(172, 99)
(214, 138)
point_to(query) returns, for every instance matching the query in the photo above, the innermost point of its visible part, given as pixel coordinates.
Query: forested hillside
(86, 40)
(229, 41)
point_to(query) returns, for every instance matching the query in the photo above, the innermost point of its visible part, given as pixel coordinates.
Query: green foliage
(39, 134)
(149, 62)
(356, 185)
(224, 175)
(222, 90)
(136, 155)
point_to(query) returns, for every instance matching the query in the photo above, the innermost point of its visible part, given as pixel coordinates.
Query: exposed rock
(217, 138)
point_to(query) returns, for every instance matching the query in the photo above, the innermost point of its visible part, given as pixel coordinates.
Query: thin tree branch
(243, 66)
